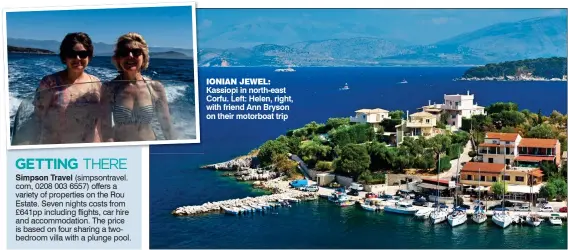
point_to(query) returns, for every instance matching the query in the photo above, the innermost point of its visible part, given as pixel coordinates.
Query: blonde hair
(138, 41)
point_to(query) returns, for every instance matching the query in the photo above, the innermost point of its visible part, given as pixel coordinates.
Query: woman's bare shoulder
(49, 81)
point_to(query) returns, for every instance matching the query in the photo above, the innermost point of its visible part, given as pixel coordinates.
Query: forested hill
(544, 68)
(14, 49)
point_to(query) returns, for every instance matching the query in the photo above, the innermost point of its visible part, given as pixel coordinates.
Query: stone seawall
(211, 207)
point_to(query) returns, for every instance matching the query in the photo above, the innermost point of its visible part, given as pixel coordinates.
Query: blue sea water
(176, 180)
(26, 70)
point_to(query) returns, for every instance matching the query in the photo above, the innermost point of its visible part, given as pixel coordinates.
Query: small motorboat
(346, 203)
(345, 87)
(424, 213)
(555, 220)
(369, 206)
(533, 220)
(401, 208)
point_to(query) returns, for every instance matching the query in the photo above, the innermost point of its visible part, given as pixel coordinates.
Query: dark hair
(73, 38)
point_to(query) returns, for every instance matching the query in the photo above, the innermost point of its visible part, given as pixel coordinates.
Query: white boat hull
(502, 221)
(400, 211)
(556, 222)
(369, 207)
(479, 218)
(534, 223)
(438, 216)
(424, 213)
(457, 220)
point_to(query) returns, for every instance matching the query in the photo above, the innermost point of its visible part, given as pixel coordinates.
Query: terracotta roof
(534, 158)
(538, 143)
(502, 136)
(495, 145)
(483, 167)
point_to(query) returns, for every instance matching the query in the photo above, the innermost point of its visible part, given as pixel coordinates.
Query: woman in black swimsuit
(131, 100)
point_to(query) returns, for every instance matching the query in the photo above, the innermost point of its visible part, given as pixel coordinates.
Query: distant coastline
(24, 50)
(539, 69)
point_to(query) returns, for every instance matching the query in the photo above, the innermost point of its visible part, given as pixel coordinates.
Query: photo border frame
(191, 4)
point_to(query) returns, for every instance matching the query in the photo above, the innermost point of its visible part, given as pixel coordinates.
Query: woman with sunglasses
(132, 100)
(67, 103)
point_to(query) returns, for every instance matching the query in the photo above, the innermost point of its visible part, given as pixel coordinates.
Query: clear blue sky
(160, 26)
(419, 26)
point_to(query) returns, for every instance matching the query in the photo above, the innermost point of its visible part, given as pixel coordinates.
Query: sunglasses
(126, 52)
(74, 53)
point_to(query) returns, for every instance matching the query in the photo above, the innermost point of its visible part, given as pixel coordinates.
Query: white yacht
(479, 215)
(457, 217)
(555, 219)
(401, 208)
(424, 213)
(501, 218)
(439, 215)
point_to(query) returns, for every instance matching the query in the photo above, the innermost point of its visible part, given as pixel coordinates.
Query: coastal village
(512, 176)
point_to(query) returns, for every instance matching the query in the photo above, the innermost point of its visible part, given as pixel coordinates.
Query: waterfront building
(457, 107)
(417, 124)
(521, 181)
(513, 150)
(370, 116)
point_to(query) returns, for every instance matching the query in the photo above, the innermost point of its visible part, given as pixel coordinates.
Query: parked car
(312, 188)
(508, 204)
(353, 192)
(546, 208)
(356, 186)
(563, 210)
(523, 208)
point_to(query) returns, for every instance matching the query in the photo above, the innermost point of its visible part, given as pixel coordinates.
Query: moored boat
(457, 217)
(479, 215)
(424, 213)
(533, 220)
(439, 215)
(369, 205)
(501, 218)
(555, 219)
(401, 208)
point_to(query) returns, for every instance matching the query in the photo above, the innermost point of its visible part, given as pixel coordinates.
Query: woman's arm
(107, 132)
(163, 110)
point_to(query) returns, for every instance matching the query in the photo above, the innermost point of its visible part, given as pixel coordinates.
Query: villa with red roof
(511, 149)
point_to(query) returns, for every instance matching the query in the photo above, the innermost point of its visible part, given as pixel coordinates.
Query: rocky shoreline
(245, 168)
(510, 79)
(211, 207)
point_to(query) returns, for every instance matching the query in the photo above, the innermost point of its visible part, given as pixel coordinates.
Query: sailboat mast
(504, 170)
(457, 172)
(438, 181)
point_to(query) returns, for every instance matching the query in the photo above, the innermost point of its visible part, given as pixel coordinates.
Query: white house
(371, 116)
(458, 107)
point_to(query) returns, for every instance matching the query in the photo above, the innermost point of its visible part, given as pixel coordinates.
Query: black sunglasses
(74, 53)
(126, 52)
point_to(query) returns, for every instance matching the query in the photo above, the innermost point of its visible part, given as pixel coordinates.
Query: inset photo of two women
(120, 75)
